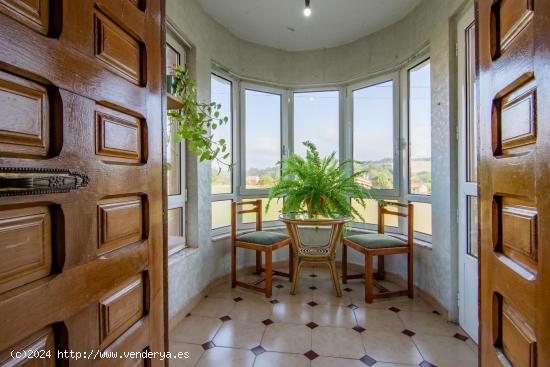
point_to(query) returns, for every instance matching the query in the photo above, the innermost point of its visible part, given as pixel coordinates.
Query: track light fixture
(307, 9)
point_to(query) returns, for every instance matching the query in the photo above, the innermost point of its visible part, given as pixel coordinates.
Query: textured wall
(431, 23)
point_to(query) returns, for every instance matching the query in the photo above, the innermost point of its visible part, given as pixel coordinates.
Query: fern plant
(318, 186)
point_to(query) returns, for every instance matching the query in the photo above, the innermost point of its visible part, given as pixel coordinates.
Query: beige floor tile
(239, 334)
(337, 342)
(384, 364)
(192, 351)
(390, 347)
(302, 296)
(338, 316)
(336, 362)
(445, 351)
(404, 304)
(375, 319)
(292, 313)
(195, 329)
(225, 291)
(427, 323)
(214, 307)
(276, 359)
(329, 298)
(226, 357)
(288, 338)
(251, 311)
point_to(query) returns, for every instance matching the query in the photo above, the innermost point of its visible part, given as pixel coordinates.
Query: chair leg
(368, 279)
(335, 280)
(410, 275)
(268, 274)
(345, 264)
(296, 275)
(258, 262)
(290, 263)
(381, 273)
(233, 265)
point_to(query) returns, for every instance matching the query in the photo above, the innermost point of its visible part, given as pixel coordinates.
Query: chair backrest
(244, 207)
(408, 213)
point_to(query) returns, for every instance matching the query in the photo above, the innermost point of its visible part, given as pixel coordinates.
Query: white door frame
(468, 265)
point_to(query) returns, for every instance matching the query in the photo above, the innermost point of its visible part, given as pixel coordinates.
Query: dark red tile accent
(312, 325)
(369, 361)
(258, 350)
(208, 345)
(238, 299)
(348, 289)
(461, 337)
(359, 329)
(353, 307)
(312, 303)
(274, 301)
(408, 332)
(427, 364)
(267, 322)
(436, 312)
(394, 309)
(311, 355)
(225, 318)
(313, 275)
(313, 287)
(279, 286)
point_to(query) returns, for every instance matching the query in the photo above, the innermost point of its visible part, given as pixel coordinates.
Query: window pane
(471, 127)
(221, 214)
(174, 159)
(370, 213)
(175, 222)
(172, 58)
(221, 174)
(373, 135)
(275, 209)
(263, 138)
(423, 218)
(420, 135)
(473, 248)
(317, 119)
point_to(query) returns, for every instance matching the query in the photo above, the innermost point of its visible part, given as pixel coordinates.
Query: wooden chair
(381, 245)
(259, 241)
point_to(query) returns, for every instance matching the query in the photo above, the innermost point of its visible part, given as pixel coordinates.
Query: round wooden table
(314, 253)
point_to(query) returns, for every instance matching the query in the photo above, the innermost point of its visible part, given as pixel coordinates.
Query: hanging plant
(195, 121)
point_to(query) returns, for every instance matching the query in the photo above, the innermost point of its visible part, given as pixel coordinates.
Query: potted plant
(194, 120)
(318, 186)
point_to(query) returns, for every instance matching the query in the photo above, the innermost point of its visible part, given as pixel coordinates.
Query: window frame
(394, 77)
(405, 126)
(180, 200)
(341, 110)
(243, 192)
(216, 72)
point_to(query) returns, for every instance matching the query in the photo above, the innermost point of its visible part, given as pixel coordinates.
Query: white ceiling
(281, 23)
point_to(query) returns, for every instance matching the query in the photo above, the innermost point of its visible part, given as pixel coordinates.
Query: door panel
(514, 156)
(81, 268)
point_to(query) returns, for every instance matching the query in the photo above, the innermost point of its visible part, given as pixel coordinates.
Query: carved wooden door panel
(81, 250)
(514, 54)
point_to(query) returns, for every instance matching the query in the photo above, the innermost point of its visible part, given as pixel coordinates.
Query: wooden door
(81, 248)
(514, 171)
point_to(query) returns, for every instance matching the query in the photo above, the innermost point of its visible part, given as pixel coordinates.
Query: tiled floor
(239, 328)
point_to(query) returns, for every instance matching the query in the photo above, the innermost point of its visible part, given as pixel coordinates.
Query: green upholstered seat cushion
(262, 237)
(375, 240)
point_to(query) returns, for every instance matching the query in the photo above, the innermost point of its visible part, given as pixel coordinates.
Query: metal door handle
(34, 181)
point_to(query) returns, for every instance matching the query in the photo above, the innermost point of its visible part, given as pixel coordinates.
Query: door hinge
(185, 195)
(456, 49)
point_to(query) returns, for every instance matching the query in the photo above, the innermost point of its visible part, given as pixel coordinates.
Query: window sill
(181, 254)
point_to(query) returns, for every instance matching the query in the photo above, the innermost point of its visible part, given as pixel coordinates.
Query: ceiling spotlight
(307, 9)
